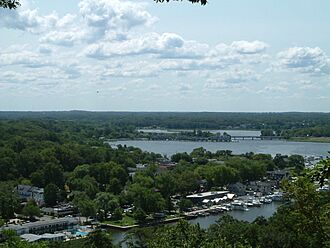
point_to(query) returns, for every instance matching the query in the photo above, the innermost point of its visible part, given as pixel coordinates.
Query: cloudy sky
(118, 55)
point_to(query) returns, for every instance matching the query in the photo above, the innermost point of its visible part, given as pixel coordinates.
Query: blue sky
(112, 55)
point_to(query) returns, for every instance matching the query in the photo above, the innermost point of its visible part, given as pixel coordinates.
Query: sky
(120, 55)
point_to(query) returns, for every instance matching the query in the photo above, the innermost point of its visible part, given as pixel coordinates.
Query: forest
(71, 161)
(288, 124)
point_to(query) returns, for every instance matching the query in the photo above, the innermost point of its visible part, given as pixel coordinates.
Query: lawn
(125, 221)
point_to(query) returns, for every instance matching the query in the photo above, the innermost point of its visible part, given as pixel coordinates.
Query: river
(257, 146)
(265, 210)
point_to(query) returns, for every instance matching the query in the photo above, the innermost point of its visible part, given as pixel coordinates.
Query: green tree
(185, 204)
(98, 239)
(117, 214)
(106, 202)
(181, 235)
(140, 215)
(84, 204)
(31, 210)
(51, 194)
(298, 162)
(8, 201)
(166, 184)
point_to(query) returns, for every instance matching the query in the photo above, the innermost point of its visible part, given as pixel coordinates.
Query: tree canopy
(13, 4)
(10, 4)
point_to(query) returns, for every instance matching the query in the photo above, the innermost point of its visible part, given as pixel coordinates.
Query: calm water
(257, 146)
(265, 210)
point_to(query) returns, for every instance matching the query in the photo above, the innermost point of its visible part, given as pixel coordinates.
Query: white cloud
(103, 16)
(27, 20)
(304, 59)
(139, 69)
(246, 47)
(241, 47)
(167, 45)
(25, 58)
(235, 78)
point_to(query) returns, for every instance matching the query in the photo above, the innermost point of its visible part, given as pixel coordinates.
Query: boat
(239, 205)
(256, 203)
(277, 196)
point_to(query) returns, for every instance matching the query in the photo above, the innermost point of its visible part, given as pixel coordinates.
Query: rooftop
(207, 194)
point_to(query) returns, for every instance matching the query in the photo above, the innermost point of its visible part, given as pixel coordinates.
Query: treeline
(318, 131)
(72, 164)
(301, 223)
(200, 120)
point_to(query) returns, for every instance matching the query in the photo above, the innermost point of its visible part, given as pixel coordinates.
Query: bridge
(235, 137)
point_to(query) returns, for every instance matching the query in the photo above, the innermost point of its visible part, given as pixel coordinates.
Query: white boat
(256, 203)
(238, 205)
(277, 196)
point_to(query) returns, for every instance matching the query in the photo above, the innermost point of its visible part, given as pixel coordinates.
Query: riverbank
(310, 139)
(272, 147)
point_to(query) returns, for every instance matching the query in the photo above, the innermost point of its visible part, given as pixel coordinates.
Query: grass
(77, 243)
(311, 139)
(125, 221)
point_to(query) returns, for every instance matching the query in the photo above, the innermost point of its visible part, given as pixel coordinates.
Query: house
(237, 188)
(278, 175)
(59, 210)
(200, 197)
(262, 187)
(44, 237)
(27, 192)
(42, 227)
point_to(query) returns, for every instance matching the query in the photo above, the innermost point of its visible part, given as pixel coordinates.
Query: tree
(185, 204)
(85, 205)
(106, 202)
(166, 183)
(117, 214)
(140, 215)
(31, 210)
(98, 239)
(8, 201)
(181, 235)
(298, 162)
(267, 132)
(51, 194)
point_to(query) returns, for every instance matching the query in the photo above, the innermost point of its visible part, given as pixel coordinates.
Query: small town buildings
(27, 192)
(138, 167)
(198, 198)
(46, 226)
(262, 187)
(278, 175)
(237, 188)
(59, 210)
(44, 237)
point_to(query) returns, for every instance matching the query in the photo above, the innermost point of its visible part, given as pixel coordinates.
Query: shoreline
(310, 139)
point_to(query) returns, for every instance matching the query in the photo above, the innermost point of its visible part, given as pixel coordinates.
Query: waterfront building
(42, 227)
(199, 197)
(44, 237)
(59, 210)
(278, 175)
(237, 188)
(27, 192)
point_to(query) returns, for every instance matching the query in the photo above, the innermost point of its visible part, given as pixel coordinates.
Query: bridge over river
(244, 137)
